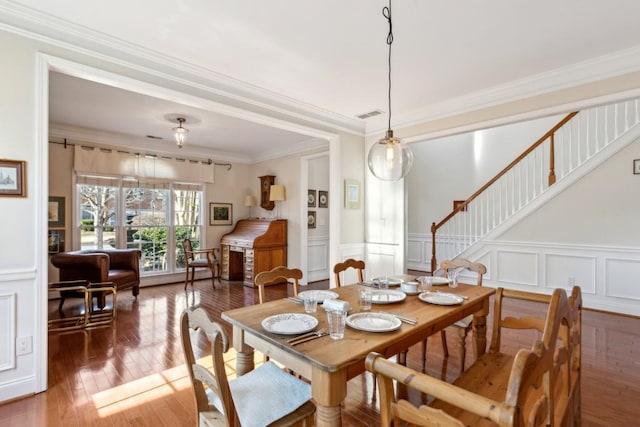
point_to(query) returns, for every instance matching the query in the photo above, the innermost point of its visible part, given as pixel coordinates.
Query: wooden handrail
(463, 206)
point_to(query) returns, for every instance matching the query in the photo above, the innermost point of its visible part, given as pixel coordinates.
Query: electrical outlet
(24, 345)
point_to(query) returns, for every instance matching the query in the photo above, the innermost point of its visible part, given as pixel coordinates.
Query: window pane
(187, 221)
(146, 225)
(97, 216)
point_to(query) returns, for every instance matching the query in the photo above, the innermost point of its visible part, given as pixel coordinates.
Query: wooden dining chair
(276, 275)
(264, 396)
(347, 264)
(200, 258)
(462, 327)
(541, 383)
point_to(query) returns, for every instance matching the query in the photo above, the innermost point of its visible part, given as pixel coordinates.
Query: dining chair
(462, 327)
(265, 396)
(345, 265)
(276, 275)
(200, 258)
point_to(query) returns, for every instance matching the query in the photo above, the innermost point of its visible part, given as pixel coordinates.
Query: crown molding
(589, 71)
(35, 25)
(79, 135)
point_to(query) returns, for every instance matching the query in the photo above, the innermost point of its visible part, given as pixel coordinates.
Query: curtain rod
(65, 143)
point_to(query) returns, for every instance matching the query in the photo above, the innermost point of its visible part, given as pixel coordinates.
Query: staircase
(574, 146)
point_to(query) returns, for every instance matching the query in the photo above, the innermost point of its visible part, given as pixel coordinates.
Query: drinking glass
(453, 275)
(425, 283)
(383, 282)
(310, 302)
(364, 298)
(337, 320)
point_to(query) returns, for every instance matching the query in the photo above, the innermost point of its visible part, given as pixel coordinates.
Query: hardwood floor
(132, 374)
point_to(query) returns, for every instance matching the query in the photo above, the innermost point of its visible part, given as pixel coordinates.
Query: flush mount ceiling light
(389, 159)
(180, 132)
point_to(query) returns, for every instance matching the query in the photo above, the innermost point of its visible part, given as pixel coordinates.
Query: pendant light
(389, 159)
(180, 133)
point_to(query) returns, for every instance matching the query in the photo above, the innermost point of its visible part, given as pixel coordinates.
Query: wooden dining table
(329, 364)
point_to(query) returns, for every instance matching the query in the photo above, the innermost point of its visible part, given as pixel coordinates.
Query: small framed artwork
(220, 213)
(636, 167)
(13, 181)
(323, 199)
(55, 211)
(311, 219)
(55, 241)
(351, 194)
(311, 198)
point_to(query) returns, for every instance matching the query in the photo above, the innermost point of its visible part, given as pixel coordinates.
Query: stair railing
(569, 143)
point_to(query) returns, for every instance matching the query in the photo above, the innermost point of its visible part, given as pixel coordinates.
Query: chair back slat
(345, 265)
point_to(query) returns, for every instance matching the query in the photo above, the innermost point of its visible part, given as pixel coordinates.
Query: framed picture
(311, 198)
(323, 199)
(311, 219)
(56, 211)
(220, 213)
(351, 194)
(55, 241)
(636, 167)
(13, 181)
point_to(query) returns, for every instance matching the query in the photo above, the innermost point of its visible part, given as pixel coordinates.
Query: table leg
(244, 353)
(329, 390)
(480, 330)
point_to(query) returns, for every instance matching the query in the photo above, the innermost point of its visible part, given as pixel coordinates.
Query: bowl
(409, 287)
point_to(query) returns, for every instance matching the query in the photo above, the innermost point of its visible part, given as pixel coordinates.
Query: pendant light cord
(386, 12)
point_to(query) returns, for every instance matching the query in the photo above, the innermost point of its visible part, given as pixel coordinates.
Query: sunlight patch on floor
(156, 386)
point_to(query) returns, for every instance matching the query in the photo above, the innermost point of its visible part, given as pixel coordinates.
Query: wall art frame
(220, 213)
(311, 198)
(13, 178)
(323, 199)
(311, 219)
(351, 194)
(55, 211)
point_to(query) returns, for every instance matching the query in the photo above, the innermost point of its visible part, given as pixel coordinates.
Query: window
(117, 213)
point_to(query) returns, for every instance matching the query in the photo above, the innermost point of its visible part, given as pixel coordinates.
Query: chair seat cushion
(464, 323)
(122, 278)
(266, 394)
(200, 262)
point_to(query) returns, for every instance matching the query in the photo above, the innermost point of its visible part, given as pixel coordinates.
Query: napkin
(336, 304)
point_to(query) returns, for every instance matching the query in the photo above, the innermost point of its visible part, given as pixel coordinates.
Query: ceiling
(331, 56)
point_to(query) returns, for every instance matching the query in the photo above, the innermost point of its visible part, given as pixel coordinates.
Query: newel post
(433, 247)
(552, 161)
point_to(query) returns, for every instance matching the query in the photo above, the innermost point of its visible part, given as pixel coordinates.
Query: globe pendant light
(389, 159)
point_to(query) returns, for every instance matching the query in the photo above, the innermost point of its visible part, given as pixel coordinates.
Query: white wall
(602, 209)
(23, 233)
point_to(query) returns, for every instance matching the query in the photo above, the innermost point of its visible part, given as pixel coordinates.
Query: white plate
(373, 322)
(440, 299)
(439, 281)
(320, 295)
(383, 296)
(289, 323)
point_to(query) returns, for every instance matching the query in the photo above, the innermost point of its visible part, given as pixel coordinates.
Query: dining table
(329, 364)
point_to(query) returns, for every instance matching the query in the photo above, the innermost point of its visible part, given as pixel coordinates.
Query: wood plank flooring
(132, 374)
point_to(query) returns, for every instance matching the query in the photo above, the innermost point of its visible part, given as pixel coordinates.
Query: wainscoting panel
(517, 267)
(8, 331)
(582, 268)
(318, 262)
(607, 276)
(622, 278)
